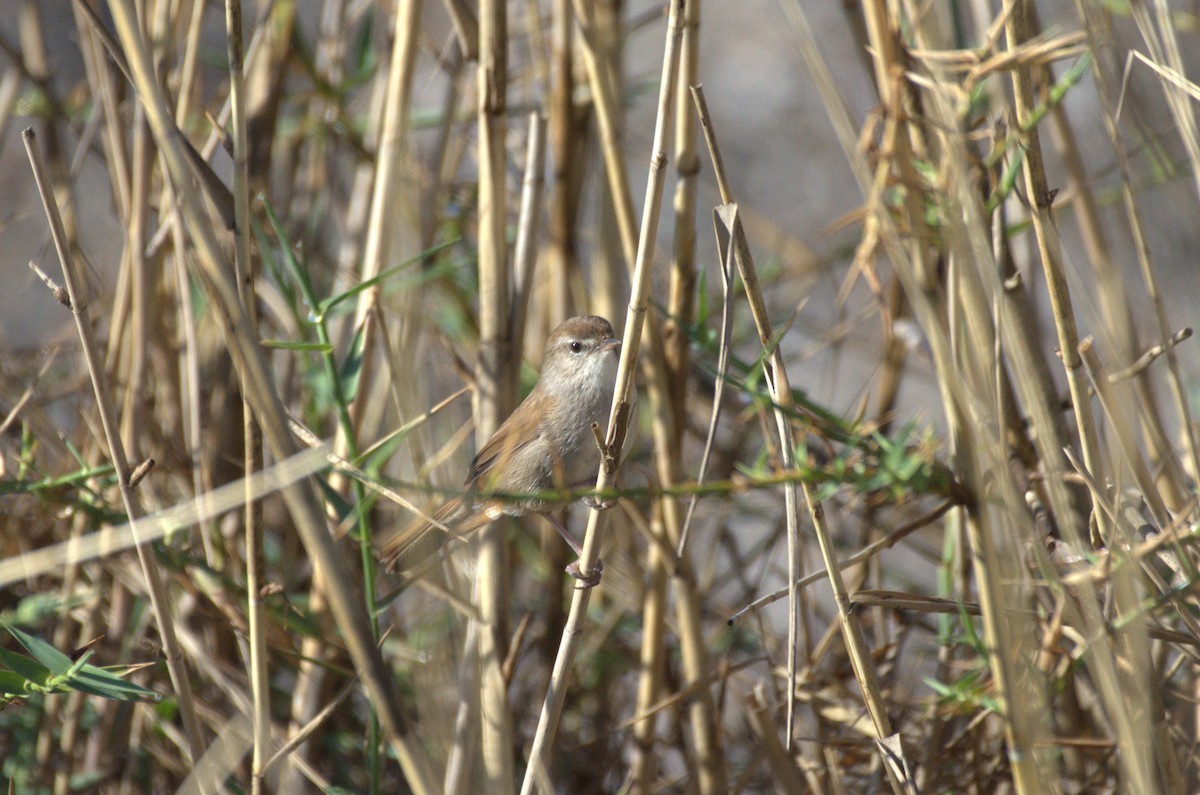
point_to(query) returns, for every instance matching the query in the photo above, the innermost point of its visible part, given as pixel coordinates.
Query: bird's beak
(609, 344)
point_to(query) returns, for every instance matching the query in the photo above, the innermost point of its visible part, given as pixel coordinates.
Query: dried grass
(1010, 604)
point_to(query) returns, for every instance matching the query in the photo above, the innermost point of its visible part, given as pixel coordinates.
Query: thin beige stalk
(302, 501)
(777, 380)
(858, 558)
(667, 392)
(159, 600)
(495, 381)
(731, 238)
(1139, 687)
(979, 459)
(664, 568)
(1164, 49)
(976, 425)
(566, 177)
(608, 278)
(622, 396)
(913, 268)
(466, 27)
(262, 103)
(783, 768)
(607, 105)
(1120, 332)
(525, 250)
(188, 62)
(601, 75)
(1181, 111)
(134, 375)
(300, 736)
(252, 441)
(1115, 403)
(1046, 234)
(382, 226)
(681, 296)
(651, 663)
(101, 81)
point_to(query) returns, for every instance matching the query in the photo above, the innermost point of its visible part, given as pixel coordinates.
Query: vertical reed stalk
(251, 439)
(495, 381)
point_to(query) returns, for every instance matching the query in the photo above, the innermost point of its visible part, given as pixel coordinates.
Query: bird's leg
(588, 581)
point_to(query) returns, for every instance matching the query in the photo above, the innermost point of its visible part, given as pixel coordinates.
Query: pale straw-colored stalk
(730, 233)
(496, 385)
(619, 415)
(244, 270)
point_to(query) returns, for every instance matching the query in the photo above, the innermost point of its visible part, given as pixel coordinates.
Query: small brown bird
(545, 444)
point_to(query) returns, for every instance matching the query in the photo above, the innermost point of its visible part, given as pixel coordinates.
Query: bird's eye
(576, 346)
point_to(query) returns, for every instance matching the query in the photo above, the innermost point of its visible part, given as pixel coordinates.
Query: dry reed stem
(675, 372)
(380, 232)
(495, 389)
(528, 218)
(915, 276)
(153, 578)
(783, 769)
(681, 296)
(1182, 113)
(387, 180)
(251, 440)
(1120, 333)
(777, 380)
(978, 348)
(566, 137)
(607, 104)
(619, 414)
(496, 386)
(729, 232)
(1046, 234)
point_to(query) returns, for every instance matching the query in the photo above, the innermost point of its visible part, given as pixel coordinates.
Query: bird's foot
(589, 581)
(597, 504)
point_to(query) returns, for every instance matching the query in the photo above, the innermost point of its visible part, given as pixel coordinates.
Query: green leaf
(286, 345)
(56, 672)
(362, 55)
(297, 270)
(77, 478)
(103, 682)
(12, 684)
(28, 669)
(352, 366)
(43, 652)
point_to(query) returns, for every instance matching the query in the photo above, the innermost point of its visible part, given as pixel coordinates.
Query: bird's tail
(425, 535)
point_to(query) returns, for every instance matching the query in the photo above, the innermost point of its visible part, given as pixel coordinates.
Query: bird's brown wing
(422, 537)
(514, 434)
